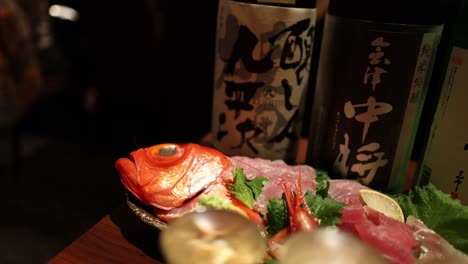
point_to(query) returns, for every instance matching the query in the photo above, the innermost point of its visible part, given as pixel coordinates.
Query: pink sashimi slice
(346, 191)
(393, 239)
(432, 244)
(276, 172)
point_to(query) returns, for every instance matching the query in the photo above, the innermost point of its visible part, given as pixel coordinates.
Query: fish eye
(168, 150)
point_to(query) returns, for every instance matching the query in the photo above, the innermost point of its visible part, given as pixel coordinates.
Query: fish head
(167, 175)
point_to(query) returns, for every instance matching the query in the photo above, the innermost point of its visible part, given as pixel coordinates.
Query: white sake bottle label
(262, 65)
(446, 158)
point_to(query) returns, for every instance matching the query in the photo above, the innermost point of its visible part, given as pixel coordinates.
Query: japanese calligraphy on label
(262, 61)
(371, 86)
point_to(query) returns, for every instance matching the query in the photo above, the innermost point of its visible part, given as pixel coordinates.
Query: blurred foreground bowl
(212, 236)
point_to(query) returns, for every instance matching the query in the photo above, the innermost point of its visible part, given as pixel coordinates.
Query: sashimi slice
(432, 244)
(275, 171)
(346, 191)
(393, 239)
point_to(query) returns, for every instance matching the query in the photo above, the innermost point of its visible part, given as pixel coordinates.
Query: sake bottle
(373, 74)
(261, 71)
(444, 161)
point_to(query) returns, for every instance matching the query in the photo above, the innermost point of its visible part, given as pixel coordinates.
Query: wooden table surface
(118, 237)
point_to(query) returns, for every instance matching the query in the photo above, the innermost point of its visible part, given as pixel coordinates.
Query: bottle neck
(416, 12)
(460, 28)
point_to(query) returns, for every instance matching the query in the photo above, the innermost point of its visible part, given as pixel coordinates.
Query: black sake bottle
(375, 64)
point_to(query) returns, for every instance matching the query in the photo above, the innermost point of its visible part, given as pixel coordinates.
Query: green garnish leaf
(277, 215)
(247, 191)
(439, 212)
(327, 210)
(271, 260)
(216, 202)
(321, 205)
(322, 184)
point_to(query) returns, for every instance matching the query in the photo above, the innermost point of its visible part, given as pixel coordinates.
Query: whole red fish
(168, 175)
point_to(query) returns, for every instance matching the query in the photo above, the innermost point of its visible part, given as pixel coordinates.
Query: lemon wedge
(382, 203)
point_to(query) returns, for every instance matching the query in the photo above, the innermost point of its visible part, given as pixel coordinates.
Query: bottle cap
(460, 28)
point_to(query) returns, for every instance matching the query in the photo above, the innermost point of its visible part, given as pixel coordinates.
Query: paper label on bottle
(446, 157)
(262, 64)
(371, 85)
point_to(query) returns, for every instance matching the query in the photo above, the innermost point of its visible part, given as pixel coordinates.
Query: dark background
(150, 64)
